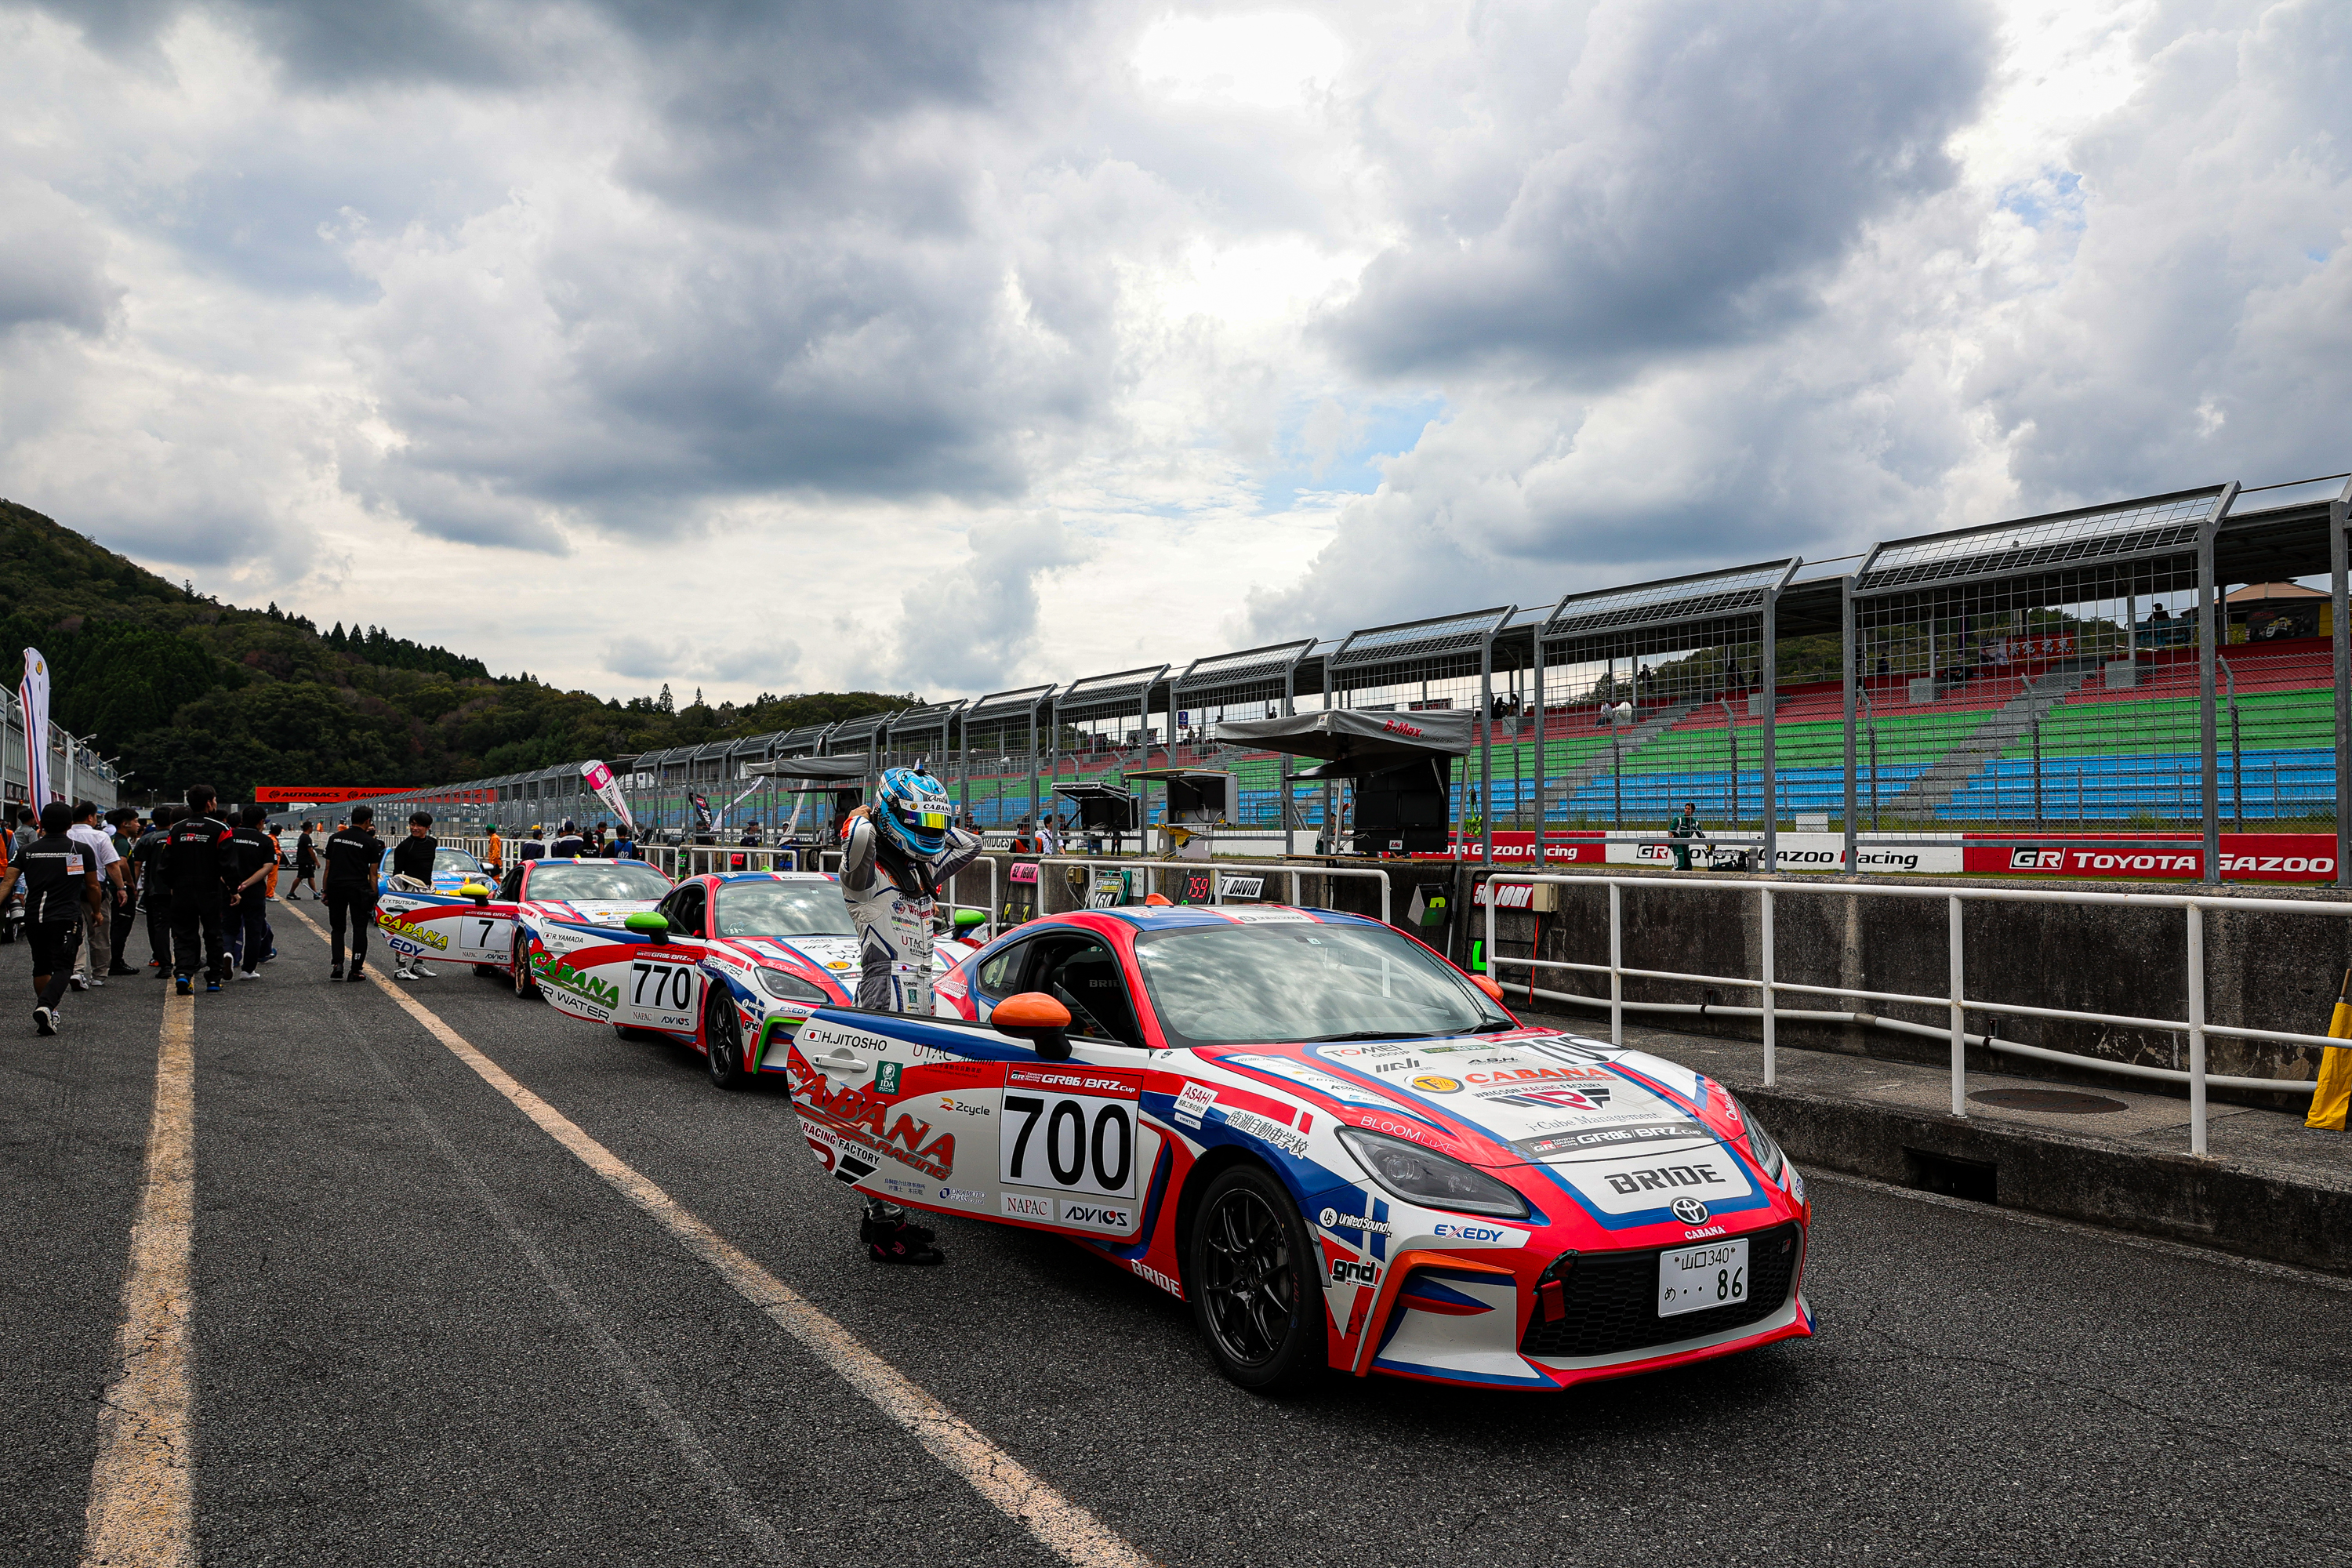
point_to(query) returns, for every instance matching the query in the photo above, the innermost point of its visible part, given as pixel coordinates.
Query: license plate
(1698, 1278)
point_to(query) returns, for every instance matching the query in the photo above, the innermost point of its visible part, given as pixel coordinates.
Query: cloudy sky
(948, 347)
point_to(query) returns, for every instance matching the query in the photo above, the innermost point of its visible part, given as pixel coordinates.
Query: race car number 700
(1063, 1142)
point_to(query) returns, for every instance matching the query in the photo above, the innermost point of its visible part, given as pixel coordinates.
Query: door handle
(841, 1062)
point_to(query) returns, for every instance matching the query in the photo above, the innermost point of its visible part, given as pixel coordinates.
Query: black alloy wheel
(722, 1039)
(525, 987)
(1256, 1284)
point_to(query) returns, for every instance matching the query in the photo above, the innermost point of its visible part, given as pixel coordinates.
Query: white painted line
(143, 1484)
(1066, 1529)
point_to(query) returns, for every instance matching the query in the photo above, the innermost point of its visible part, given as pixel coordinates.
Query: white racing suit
(891, 896)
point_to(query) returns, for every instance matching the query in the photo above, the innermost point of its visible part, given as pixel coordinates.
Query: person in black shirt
(412, 857)
(155, 889)
(200, 862)
(60, 878)
(249, 908)
(532, 848)
(124, 820)
(352, 856)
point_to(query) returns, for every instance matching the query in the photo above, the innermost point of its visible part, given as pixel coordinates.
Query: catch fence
(2141, 681)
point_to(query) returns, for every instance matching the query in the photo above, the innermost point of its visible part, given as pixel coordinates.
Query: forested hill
(184, 688)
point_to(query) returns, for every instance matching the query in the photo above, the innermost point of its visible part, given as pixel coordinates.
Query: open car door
(989, 1119)
(629, 974)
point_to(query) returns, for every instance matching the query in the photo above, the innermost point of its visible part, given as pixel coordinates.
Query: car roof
(724, 878)
(1165, 916)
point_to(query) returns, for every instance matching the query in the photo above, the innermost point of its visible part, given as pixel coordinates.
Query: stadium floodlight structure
(1093, 716)
(994, 724)
(1667, 672)
(1255, 683)
(1981, 643)
(1414, 666)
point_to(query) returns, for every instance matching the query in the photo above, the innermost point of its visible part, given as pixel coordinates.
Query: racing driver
(900, 850)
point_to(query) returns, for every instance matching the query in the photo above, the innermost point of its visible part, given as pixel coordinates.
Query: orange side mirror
(1036, 1017)
(1486, 983)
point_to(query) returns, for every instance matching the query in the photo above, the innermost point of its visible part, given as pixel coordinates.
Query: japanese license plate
(1698, 1278)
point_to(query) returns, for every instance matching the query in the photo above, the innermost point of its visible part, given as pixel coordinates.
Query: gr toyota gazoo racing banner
(1343, 1152)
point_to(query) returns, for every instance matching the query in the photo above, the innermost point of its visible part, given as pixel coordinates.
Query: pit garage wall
(2261, 969)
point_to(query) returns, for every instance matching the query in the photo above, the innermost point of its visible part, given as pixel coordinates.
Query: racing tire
(490, 969)
(723, 1041)
(525, 989)
(1255, 1281)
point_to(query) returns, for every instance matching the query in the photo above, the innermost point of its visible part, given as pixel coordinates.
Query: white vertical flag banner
(33, 708)
(608, 790)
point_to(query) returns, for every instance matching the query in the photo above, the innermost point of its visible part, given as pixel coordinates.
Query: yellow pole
(2332, 1098)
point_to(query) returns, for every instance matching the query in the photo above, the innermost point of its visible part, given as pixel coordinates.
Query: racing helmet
(911, 810)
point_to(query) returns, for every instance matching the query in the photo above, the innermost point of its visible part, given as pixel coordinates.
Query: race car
(1343, 1152)
(453, 868)
(541, 911)
(731, 954)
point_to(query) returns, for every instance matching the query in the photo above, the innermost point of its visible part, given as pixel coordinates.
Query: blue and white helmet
(912, 810)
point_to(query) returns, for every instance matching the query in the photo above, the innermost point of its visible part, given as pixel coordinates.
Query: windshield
(783, 909)
(567, 881)
(1226, 986)
(447, 860)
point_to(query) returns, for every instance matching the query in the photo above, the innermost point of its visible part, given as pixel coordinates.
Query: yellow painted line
(1066, 1529)
(143, 1486)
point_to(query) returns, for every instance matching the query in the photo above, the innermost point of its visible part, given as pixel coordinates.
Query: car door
(663, 986)
(1056, 1144)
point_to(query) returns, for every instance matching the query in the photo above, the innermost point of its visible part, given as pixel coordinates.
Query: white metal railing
(1768, 986)
(1220, 869)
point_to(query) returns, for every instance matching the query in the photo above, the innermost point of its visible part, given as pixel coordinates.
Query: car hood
(592, 912)
(1525, 1097)
(834, 955)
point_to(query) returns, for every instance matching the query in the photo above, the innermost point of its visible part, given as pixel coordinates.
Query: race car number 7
(1069, 1142)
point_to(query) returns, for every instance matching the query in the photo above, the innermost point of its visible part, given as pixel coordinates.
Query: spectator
(124, 821)
(750, 839)
(249, 909)
(62, 892)
(199, 861)
(97, 924)
(155, 889)
(494, 854)
(1048, 841)
(412, 860)
(532, 848)
(306, 863)
(1682, 830)
(624, 846)
(567, 845)
(353, 857)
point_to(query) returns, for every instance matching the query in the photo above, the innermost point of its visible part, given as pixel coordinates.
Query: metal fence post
(1765, 940)
(1543, 726)
(1769, 660)
(1616, 963)
(1960, 1017)
(1853, 658)
(2341, 636)
(2209, 635)
(1486, 747)
(2196, 1029)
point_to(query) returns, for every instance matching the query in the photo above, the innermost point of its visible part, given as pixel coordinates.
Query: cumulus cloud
(707, 334)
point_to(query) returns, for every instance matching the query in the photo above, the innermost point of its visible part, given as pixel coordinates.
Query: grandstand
(2043, 673)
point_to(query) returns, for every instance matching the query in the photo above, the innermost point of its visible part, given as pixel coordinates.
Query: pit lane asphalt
(383, 1375)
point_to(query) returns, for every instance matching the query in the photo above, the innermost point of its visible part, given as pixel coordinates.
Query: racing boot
(890, 1237)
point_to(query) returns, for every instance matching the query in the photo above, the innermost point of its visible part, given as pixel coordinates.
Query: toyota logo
(1690, 1211)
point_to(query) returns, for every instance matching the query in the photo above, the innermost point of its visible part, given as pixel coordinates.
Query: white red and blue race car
(1341, 1150)
(524, 928)
(735, 962)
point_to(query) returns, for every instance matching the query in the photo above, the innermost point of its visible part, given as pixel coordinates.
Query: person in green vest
(1682, 830)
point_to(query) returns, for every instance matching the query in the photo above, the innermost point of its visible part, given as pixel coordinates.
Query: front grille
(1612, 1300)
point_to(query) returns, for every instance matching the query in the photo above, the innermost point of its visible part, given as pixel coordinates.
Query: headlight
(1433, 1181)
(1761, 1144)
(790, 987)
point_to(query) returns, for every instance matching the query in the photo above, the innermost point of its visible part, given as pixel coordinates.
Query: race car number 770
(669, 979)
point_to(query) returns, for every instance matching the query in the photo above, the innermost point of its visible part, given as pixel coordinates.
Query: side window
(1083, 974)
(511, 888)
(690, 901)
(1000, 976)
